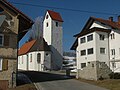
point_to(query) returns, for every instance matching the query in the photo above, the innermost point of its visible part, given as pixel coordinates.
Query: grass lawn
(24, 87)
(111, 84)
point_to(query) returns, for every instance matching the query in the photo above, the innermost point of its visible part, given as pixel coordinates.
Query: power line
(67, 9)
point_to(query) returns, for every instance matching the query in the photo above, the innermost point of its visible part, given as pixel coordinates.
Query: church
(45, 53)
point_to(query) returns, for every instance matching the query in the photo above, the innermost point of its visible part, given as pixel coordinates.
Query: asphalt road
(56, 81)
(69, 84)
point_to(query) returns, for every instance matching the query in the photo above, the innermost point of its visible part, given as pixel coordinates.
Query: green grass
(111, 84)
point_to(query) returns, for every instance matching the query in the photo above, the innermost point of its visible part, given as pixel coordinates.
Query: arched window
(38, 57)
(47, 16)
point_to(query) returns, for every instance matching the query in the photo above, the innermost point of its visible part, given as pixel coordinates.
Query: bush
(114, 75)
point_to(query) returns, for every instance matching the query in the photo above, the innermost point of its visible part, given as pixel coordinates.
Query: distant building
(13, 26)
(53, 35)
(69, 61)
(97, 48)
(34, 55)
(49, 49)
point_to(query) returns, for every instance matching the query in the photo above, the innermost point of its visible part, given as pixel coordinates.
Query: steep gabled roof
(86, 30)
(15, 10)
(26, 47)
(112, 24)
(24, 21)
(34, 45)
(55, 16)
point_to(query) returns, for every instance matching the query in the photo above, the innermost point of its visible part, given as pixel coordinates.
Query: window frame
(112, 51)
(1, 60)
(83, 65)
(101, 37)
(83, 53)
(90, 37)
(38, 57)
(81, 40)
(88, 52)
(102, 50)
(47, 24)
(2, 40)
(30, 57)
(56, 24)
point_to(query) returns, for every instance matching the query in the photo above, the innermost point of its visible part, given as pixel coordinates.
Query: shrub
(114, 75)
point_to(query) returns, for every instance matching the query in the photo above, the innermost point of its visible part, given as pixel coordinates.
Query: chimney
(111, 19)
(119, 19)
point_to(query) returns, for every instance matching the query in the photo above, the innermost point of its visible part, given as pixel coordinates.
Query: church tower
(53, 35)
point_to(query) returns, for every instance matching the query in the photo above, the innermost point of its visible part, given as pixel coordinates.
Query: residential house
(34, 55)
(13, 26)
(53, 35)
(97, 48)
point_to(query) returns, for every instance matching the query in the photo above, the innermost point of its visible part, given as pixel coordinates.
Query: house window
(30, 57)
(18, 60)
(113, 64)
(1, 39)
(113, 51)
(101, 37)
(22, 59)
(112, 36)
(90, 37)
(56, 24)
(82, 40)
(1, 64)
(90, 51)
(83, 65)
(47, 24)
(38, 57)
(102, 50)
(83, 52)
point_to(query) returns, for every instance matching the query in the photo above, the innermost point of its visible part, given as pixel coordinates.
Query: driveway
(69, 84)
(54, 81)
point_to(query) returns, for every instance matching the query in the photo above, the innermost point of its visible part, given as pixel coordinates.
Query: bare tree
(37, 29)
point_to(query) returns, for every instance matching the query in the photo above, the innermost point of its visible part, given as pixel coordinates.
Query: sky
(74, 21)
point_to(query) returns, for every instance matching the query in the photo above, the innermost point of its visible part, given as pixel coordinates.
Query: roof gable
(34, 45)
(26, 47)
(14, 10)
(87, 29)
(55, 15)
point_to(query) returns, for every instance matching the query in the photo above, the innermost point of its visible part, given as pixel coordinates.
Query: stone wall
(94, 71)
(9, 73)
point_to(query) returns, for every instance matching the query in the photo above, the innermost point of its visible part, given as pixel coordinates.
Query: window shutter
(5, 64)
(6, 40)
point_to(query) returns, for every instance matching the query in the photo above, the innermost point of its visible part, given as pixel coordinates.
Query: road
(54, 81)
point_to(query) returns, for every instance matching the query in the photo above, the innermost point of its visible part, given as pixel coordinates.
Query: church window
(56, 24)
(47, 16)
(47, 24)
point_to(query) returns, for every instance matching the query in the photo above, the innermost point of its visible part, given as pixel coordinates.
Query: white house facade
(34, 56)
(52, 33)
(97, 46)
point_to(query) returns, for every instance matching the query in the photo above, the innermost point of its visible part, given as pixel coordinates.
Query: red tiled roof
(26, 47)
(108, 22)
(86, 30)
(55, 16)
